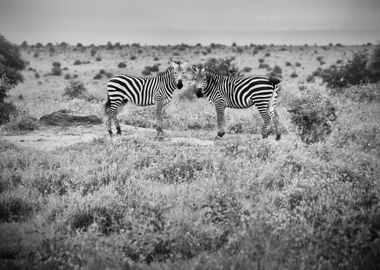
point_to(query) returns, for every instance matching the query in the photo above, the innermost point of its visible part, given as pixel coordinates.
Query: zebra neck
(215, 82)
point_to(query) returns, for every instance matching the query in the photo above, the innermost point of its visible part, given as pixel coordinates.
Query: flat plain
(74, 198)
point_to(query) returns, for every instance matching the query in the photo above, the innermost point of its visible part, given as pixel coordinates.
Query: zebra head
(178, 71)
(199, 80)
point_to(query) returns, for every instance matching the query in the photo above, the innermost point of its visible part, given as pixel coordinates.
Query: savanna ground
(134, 202)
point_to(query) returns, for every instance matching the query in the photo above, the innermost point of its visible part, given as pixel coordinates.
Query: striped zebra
(238, 93)
(143, 91)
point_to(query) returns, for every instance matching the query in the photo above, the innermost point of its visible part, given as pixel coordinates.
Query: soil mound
(66, 118)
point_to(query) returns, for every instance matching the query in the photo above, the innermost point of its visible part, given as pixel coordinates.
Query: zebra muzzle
(179, 84)
(199, 93)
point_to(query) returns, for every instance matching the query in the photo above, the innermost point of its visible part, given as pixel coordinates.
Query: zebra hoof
(221, 134)
(159, 137)
(278, 137)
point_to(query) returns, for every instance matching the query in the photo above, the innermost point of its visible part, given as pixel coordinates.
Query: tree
(10, 65)
(10, 61)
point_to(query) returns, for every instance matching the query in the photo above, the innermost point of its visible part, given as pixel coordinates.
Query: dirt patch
(52, 138)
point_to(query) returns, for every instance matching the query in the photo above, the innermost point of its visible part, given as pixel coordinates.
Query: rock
(66, 118)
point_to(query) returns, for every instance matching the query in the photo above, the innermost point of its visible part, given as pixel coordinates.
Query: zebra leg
(109, 123)
(274, 116)
(159, 120)
(266, 118)
(117, 124)
(220, 120)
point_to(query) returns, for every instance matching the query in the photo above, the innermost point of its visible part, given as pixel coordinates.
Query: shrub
(67, 76)
(313, 115)
(288, 64)
(98, 59)
(122, 65)
(75, 89)
(353, 73)
(77, 62)
(359, 93)
(56, 71)
(133, 57)
(56, 64)
(21, 121)
(293, 75)
(6, 110)
(264, 65)
(93, 52)
(374, 63)
(98, 76)
(223, 66)
(247, 69)
(10, 61)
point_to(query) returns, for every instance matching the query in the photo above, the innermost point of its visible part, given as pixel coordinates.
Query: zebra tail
(107, 105)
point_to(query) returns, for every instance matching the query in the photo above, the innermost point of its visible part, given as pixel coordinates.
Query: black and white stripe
(142, 91)
(242, 92)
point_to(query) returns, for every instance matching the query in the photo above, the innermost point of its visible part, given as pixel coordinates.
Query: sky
(171, 21)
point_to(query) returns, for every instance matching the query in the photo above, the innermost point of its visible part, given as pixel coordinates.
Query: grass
(242, 203)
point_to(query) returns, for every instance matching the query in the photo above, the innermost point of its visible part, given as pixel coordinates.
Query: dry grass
(243, 203)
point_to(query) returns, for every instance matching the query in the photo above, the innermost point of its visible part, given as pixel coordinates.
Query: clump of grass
(21, 121)
(15, 206)
(180, 170)
(312, 114)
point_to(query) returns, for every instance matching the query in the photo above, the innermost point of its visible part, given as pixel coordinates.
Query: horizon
(171, 21)
(321, 37)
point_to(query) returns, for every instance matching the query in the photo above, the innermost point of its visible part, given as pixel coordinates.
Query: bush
(98, 59)
(223, 66)
(293, 75)
(10, 61)
(21, 121)
(359, 93)
(6, 110)
(356, 71)
(56, 71)
(77, 62)
(75, 89)
(313, 115)
(98, 76)
(247, 69)
(374, 63)
(122, 65)
(133, 57)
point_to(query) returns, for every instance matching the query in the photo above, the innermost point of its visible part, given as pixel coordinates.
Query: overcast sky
(99, 21)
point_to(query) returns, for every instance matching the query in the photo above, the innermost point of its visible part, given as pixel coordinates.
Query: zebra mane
(166, 72)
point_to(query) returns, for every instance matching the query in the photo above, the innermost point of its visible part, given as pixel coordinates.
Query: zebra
(143, 91)
(238, 93)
